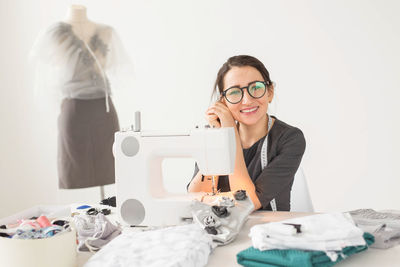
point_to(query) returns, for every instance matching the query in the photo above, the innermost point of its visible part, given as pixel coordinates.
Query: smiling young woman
(268, 151)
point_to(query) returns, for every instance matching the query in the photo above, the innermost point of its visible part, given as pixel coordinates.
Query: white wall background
(336, 65)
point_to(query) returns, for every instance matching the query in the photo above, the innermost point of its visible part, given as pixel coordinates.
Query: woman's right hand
(219, 115)
(212, 118)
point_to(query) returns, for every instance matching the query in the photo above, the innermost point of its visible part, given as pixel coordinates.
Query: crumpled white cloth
(228, 227)
(329, 232)
(94, 231)
(186, 246)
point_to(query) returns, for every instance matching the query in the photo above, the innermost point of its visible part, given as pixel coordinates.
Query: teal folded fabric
(252, 257)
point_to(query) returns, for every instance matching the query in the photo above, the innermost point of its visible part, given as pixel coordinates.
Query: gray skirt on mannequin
(85, 139)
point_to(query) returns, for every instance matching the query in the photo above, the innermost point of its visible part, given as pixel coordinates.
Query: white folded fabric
(322, 232)
(186, 245)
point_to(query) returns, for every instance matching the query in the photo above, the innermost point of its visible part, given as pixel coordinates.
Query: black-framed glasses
(235, 94)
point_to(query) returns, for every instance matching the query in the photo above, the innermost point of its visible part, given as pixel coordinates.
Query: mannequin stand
(101, 192)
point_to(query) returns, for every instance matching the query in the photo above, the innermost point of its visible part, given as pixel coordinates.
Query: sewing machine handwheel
(132, 211)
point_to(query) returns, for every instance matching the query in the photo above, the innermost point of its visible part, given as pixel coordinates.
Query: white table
(226, 255)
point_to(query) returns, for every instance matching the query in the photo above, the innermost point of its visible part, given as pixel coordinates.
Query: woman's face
(249, 110)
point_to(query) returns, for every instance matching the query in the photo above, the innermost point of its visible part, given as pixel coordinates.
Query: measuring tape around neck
(264, 159)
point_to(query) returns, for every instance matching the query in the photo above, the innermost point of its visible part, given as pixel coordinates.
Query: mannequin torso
(85, 29)
(82, 27)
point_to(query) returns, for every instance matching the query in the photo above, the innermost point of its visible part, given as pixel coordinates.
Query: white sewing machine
(141, 196)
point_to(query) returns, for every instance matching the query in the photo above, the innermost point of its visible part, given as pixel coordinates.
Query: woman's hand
(218, 115)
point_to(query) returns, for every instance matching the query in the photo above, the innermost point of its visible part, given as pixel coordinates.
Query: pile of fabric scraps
(384, 226)
(223, 217)
(317, 240)
(34, 228)
(94, 231)
(185, 245)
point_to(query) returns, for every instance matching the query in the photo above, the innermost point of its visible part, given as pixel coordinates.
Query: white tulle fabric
(68, 67)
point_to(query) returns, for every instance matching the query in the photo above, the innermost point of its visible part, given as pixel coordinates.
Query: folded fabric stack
(318, 240)
(293, 258)
(384, 226)
(186, 245)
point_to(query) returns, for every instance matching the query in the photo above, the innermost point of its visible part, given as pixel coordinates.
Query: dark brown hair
(240, 61)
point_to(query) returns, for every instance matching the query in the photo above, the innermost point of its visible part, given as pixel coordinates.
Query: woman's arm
(240, 179)
(278, 175)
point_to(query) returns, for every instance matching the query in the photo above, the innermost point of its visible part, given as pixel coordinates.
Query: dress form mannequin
(76, 58)
(84, 29)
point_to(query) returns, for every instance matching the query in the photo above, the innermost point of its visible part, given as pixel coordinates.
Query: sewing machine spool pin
(213, 185)
(138, 126)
